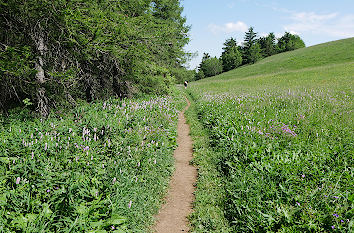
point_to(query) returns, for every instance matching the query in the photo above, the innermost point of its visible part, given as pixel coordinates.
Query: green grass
(332, 53)
(282, 133)
(208, 213)
(102, 167)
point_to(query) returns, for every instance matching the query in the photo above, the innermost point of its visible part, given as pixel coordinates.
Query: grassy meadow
(102, 167)
(280, 140)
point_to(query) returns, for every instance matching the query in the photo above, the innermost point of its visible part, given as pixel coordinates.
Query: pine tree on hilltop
(231, 57)
(250, 38)
(268, 45)
(251, 51)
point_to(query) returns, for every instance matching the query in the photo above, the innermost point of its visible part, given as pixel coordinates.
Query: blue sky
(315, 21)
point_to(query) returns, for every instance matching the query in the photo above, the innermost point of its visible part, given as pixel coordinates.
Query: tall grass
(285, 136)
(102, 167)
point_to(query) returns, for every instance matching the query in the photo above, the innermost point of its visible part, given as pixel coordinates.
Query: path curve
(173, 215)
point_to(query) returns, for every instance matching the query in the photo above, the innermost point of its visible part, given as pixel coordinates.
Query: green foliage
(182, 74)
(208, 213)
(250, 38)
(231, 57)
(88, 49)
(102, 167)
(199, 75)
(268, 45)
(283, 131)
(290, 42)
(211, 67)
(253, 54)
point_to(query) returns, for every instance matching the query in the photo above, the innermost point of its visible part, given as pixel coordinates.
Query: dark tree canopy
(53, 52)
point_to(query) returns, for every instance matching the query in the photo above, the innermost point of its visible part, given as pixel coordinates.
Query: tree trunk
(43, 103)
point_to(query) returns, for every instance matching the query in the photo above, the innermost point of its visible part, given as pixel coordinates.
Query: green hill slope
(279, 140)
(322, 64)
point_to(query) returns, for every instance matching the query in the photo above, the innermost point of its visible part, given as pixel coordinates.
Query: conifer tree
(231, 57)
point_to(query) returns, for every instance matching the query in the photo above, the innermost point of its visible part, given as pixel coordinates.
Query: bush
(182, 74)
(211, 67)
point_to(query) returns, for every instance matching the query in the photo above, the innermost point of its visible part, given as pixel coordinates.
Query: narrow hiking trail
(173, 215)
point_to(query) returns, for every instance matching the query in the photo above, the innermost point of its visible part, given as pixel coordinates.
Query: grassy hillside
(308, 66)
(282, 135)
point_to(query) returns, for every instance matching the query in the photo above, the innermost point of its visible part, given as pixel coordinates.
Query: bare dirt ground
(173, 215)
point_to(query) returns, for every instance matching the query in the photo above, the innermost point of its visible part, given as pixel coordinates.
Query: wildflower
(130, 204)
(112, 227)
(333, 227)
(297, 203)
(335, 215)
(303, 176)
(114, 180)
(48, 190)
(32, 155)
(335, 197)
(18, 180)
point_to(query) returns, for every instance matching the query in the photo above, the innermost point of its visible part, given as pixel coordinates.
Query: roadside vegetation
(281, 132)
(101, 167)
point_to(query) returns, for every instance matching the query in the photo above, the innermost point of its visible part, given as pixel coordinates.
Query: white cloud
(228, 27)
(331, 24)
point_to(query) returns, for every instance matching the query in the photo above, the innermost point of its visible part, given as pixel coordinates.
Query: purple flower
(112, 227)
(335, 215)
(297, 203)
(18, 180)
(335, 197)
(130, 204)
(48, 190)
(333, 227)
(303, 176)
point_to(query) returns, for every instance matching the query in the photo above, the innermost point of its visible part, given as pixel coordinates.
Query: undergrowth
(102, 167)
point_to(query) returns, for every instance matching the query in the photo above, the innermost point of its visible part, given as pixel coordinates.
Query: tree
(268, 45)
(250, 38)
(199, 75)
(211, 67)
(290, 42)
(53, 52)
(254, 53)
(250, 53)
(231, 57)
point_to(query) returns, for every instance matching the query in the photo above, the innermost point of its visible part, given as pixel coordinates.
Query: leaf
(82, 209)
(3, 199)
(115, 220)
(5, 160)
(20, 222)
(46, 210)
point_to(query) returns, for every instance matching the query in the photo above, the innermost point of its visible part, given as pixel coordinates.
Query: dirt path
(173, 215)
